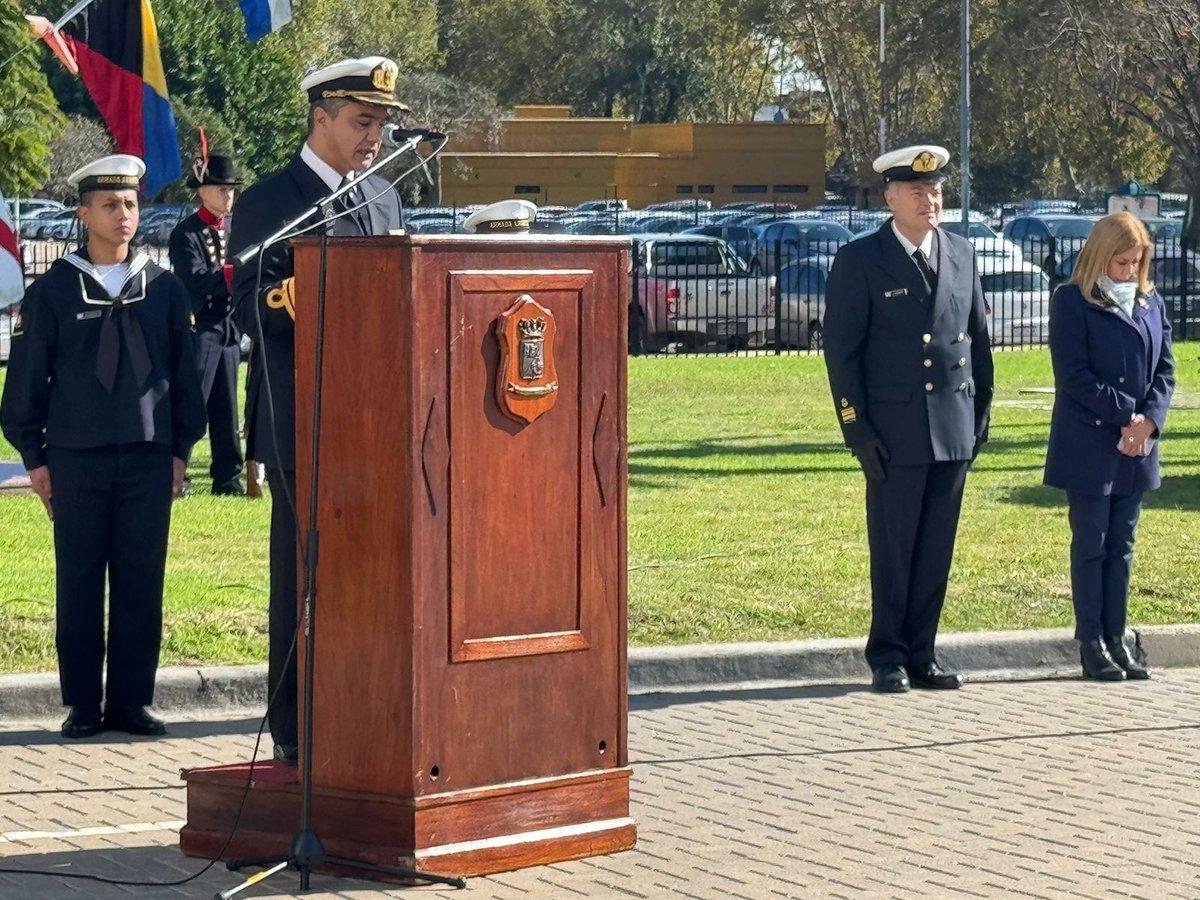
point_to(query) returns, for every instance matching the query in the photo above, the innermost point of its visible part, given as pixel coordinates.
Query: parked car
(691, 290)
(609, 205)
(737, 238)
(7, 314)
(783, 240)
(987, 243)
(32, 221)
(800, 293)
(1032, 234)
(1017, 297)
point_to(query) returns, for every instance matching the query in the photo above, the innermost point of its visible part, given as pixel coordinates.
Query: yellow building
(546, 155)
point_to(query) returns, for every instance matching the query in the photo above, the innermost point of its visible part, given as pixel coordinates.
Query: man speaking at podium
(349, 103)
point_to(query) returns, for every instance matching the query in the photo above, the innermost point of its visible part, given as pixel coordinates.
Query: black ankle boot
(1120, 654)
(1097, 663)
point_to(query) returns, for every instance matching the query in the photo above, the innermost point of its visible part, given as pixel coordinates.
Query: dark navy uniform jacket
(1107, 366)
(912, 371)
(261, 211)
(196, 258)
(53, 396)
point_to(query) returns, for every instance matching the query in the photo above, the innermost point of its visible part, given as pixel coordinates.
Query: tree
(82, 141)
(1144, 58)
(452, 107)
(29, 117)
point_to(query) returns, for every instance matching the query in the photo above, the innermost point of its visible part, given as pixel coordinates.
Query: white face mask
(1124, 292)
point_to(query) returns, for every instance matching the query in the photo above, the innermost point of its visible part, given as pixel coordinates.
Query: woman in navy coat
(1110, 343)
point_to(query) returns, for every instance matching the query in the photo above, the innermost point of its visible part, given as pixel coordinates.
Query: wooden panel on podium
(469, 690)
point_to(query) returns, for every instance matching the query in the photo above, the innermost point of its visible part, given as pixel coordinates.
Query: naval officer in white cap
(349, 103)
(103, 403)
(910, 367)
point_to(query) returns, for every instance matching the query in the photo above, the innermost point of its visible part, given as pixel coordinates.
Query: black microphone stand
(307, 852)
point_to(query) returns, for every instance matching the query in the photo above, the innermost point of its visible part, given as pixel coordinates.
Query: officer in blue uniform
(197, 251)
(103, 403)
(349, 102)
(906, 346)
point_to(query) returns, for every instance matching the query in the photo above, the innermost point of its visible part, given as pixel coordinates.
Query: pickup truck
(691, 290)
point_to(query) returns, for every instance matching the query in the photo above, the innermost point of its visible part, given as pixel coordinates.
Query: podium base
(470, 832)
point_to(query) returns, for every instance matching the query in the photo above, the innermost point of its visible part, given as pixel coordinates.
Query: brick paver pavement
(1007, 789)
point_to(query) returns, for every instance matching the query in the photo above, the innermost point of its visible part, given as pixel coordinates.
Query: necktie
(347, 203)
(926, 272)
(121, 327)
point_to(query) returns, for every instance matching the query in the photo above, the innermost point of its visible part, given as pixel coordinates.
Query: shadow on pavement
(663, 699)
(40, 737)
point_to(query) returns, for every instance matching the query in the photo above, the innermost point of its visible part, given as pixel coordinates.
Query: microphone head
(394, 135)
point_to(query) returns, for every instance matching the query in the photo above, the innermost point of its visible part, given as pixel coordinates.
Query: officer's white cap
(119, 172)
(371, 79)
(503, 216)
(922, 162)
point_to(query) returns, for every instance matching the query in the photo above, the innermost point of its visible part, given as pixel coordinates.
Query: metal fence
(690, 294)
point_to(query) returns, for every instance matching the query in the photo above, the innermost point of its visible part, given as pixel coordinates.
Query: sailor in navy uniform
(906, 346)
(349, 103)
(197, 250)
(103, 403)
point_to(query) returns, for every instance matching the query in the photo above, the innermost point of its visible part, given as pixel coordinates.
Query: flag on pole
(12, 273)
(265, 16)
(48, 32)
(115, 43)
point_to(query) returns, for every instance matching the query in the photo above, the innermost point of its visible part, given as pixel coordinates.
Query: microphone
(394, 135)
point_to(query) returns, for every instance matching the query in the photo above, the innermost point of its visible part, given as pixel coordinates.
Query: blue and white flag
(265, 16)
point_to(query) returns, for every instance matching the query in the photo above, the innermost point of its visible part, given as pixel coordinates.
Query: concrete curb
(979, 655)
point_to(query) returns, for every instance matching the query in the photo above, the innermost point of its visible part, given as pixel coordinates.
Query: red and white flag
(12, 276)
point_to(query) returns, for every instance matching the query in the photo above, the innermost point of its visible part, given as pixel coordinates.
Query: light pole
(882, 88)
(964, 113)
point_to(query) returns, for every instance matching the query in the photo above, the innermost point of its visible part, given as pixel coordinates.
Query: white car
(1018, 303)
(987, 243)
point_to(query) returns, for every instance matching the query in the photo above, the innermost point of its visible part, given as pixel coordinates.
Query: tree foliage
(1069, 97)
(29, 117)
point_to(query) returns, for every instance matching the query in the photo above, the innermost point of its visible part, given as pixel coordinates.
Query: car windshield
(686, 254)
(824, 231)
(1023, 282)
(976, 229)
(1070, 228)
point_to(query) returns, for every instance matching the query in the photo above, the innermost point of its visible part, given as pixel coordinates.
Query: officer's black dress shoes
(890, 680)
(288, 754)
(133, 720)
(932, 676)
(82, 721)
(1119, 651)
(232, 488)
(1098, 663)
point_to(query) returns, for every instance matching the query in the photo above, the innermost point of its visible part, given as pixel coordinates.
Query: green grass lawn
(746, 522)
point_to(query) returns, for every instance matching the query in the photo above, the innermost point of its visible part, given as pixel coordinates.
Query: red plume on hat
(200, 164)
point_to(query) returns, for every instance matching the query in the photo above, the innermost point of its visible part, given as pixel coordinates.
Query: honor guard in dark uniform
(349, 103)
(906, 346)
(103, 403)
(197, 250)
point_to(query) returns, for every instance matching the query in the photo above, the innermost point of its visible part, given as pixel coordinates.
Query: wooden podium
(470, 657)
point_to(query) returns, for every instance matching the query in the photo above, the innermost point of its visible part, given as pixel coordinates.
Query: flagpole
(62, 20)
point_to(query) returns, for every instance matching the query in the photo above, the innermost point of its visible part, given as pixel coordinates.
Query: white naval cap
(371, 79)
(503, 216)
(119, 172)
(922, 162)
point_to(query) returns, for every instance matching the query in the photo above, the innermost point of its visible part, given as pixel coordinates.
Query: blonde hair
(1116, 233)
